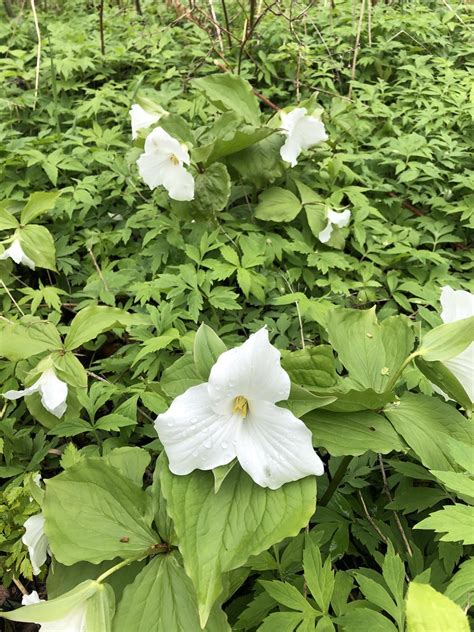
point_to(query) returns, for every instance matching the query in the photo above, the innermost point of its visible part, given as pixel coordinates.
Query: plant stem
(404, 365)
(337, 478)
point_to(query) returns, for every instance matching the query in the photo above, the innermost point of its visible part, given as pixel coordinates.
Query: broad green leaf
(281, 621)
(312, 367)
(69, 369)
(461, 452)
(230, 92)
(318, 576)
(92, 321)
(100, 609)
(354, 400)
(448, 340)
(302, 401)
(439, 374)
(180, 376)
(363, 620)
(220, 473)
(156, 344)
(374, 592)
(316, 214)
(19, 341)
(430, 611)
(207, 348)
(393, 570)
(55, 608)
(352, 433)
(456, 522)
(287, 595)
(456, 482)
(460, 586)
(131, 462)
(219, 532)
(212, 190)
(37, 204)
(371, 351)
(418, 418)
(277, 205)
(7, 220)
(162, 599)
(93, 513)
(260, 163)
(239, 140)
(38, 244)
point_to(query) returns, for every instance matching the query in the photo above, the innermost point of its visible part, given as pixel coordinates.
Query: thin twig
(20, 586)
(357, 45)
(397, 517)
(101, 27)
(369, 21)
(11, 298)
(38, 53)
(99, 271)
(370, 519)
(217, 26)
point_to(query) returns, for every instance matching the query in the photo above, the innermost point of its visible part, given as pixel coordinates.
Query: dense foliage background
(395, 83)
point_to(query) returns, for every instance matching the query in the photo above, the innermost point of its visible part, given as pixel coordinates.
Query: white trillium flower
(234, 415)
(340, 219)
(53, 392)
(162, 164)
(36, 541)
(459, 304)
(15, 252)
(302, 132)
(141, 119)
(75, 621)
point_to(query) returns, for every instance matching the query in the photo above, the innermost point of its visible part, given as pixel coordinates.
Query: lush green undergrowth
(124, 277)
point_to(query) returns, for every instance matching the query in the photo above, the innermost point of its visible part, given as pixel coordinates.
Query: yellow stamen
(241, 405)
(174, 159)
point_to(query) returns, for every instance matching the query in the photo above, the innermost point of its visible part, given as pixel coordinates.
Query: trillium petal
(289, 120)
(339, 219)
(325, 235)
(31, 599)
(53, 393)
(310, 131)
(160, 142)
(274, 447)
(36, 541)
(462, 367)
(149, 167)
(74, 622)
(179, 183)
(25, 392)
(252, 370)
(141, 119)
(290, 150)
(193, 435)
(16, 254)
(456, 304)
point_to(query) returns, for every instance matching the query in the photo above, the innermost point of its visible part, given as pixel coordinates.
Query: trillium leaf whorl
(162, 165)
(302, 131)
(234, 414)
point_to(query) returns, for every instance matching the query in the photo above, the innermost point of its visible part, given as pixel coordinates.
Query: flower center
(174, 159)
(241, 406)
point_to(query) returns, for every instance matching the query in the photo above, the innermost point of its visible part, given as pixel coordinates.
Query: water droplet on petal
(195, 453)
(224, 444)
(169, 424)
(207, 444)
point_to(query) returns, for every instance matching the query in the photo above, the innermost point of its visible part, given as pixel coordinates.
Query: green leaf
(130, 461)
(376, 594)
(38, 244)
(281, 621)
(92, 321)
(302, 401)
(287, 595)
(180, 376)
(100, 609)
(212, 189)
(19, 341)
(460, 586)
(229, 92)
(455, 521)
(277, 205)
(372, 352)
(37, 204)
(439, 374)
(55, 608)
(352, 433)
(156, 344)
(222, 147)
(207, 348)
(363, 619)
(219, 532)
(456, 482)
(93, 513)
(70, 369)
(7, 220)
(318, 576)
(430, 611)
(162, 599)
(353, 401)
(312, 367)
(416, 417)
(448, 340)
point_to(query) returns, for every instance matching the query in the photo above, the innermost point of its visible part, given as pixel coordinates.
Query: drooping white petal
(53, 393)
(177, 181)
(25, 392)
(149, 167)
(194, 435)
(31, 599)
(75, 621)
(456, 304)
(340, 219)
(15, 252)
(141, 119)
(325, 235)
(274, 447)
(36, 541)
(159, 141)
(303, 131)
(252, 370)
(462, 367)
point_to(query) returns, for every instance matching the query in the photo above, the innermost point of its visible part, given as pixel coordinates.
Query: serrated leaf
(455, 522)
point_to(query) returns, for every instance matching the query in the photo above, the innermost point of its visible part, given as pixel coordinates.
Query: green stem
(404, 365)
(154, 550)
(336, 480)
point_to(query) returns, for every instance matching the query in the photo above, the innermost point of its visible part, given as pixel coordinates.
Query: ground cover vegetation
(317, 196)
